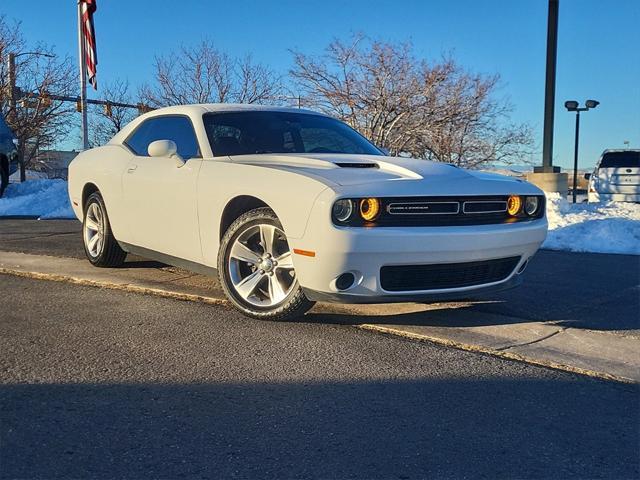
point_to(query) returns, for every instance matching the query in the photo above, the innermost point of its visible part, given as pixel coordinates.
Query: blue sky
(598, 48)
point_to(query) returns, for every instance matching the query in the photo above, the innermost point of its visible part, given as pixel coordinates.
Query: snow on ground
(37, 198)
(612, 227)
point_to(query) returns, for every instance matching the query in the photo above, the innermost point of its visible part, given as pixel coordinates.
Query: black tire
(294, 305)
(110, 254)
(4, 175)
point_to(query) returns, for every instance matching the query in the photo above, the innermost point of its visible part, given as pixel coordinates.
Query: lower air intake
(405, 278)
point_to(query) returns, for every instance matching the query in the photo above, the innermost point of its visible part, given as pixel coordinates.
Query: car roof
(200, 108)
(610, 150)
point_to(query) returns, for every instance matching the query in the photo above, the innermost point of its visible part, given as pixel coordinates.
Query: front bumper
(364, 251)
(425, 296)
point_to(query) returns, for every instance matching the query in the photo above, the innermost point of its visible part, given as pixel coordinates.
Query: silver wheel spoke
(98, 214)
(285, 261)
(248, 284)
(93, 241)
(276, 291)
(243, 253)
(267, 238)
(92, 225)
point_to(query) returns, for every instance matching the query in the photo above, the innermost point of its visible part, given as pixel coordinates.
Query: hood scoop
(357, 165)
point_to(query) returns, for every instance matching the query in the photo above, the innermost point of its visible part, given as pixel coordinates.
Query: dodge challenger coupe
(288, 207)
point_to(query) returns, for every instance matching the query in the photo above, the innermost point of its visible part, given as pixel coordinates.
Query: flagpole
(83, 80)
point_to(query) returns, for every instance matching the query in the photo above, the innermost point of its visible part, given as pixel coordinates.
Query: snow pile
(612, 227)
(37, 198)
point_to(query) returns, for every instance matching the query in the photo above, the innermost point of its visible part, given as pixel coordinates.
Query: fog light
(523, 267)
(513, 205)
(345, 281)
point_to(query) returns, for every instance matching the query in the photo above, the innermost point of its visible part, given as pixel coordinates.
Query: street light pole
(575, 157)
(550, 89)
(573, 106)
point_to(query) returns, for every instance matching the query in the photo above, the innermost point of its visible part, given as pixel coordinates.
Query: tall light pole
(13, 91)
(573, 106)
(550, 89)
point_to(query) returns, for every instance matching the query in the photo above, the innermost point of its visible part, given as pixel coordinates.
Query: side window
(178, 129)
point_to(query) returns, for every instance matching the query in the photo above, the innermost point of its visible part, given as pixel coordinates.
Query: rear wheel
(100, 245)
(255, 267)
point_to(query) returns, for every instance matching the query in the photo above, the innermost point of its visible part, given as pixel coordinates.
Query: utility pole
(550, 89)
(546, 176)
(11, 73)
(83, 81)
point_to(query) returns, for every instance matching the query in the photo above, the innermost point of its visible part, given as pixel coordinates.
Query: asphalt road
(105, 384)
(579, 290)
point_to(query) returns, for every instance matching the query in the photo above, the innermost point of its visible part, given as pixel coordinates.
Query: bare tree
(204, 74)
(37, 120)
(109, 120)
(435, 110)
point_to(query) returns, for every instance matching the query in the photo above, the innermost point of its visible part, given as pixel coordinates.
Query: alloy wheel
(94, 229)
(260, 266)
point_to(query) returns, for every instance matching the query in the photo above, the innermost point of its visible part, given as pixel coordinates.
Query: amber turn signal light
(514, 204)
(369, 208)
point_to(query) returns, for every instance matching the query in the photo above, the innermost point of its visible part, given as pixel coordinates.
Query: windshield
(245, 133)
(628, 159)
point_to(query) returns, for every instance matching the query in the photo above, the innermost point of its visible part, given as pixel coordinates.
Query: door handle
(132, 169)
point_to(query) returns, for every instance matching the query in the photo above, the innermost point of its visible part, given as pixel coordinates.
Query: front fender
(289, 195)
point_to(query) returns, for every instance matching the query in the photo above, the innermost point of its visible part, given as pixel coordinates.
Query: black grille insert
(399, 278)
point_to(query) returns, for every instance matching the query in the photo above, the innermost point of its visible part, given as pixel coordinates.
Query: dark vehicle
(8, 154)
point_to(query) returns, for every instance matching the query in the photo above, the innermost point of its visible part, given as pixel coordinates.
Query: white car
(288, 207)
(616, 177)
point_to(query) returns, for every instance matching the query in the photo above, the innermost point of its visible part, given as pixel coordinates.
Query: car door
(160, 193)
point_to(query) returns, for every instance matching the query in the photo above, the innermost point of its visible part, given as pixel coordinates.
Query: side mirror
(165, 148)
(587, 176)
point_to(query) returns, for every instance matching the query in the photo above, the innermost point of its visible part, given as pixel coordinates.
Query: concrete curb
(595, 354)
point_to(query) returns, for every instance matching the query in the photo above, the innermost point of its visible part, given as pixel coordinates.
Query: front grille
(447, 211)
(405, 278)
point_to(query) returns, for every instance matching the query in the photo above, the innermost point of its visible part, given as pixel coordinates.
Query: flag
(87, 9)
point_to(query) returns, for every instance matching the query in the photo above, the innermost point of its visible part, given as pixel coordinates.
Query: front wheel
(255, 267)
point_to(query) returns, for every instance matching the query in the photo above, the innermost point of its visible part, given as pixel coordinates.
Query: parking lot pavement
(98, 383)
(578, 311)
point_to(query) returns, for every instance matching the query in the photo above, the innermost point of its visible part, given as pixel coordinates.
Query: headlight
(531, 205)
(342, 210)
(369, 209)
(514, 203)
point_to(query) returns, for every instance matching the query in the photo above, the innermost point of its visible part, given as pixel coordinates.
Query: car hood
(389, 175)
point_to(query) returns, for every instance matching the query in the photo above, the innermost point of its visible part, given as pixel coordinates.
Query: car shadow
(436, 315)
(555, 427)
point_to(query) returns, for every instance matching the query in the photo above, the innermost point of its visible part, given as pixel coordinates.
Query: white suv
(616, 177)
